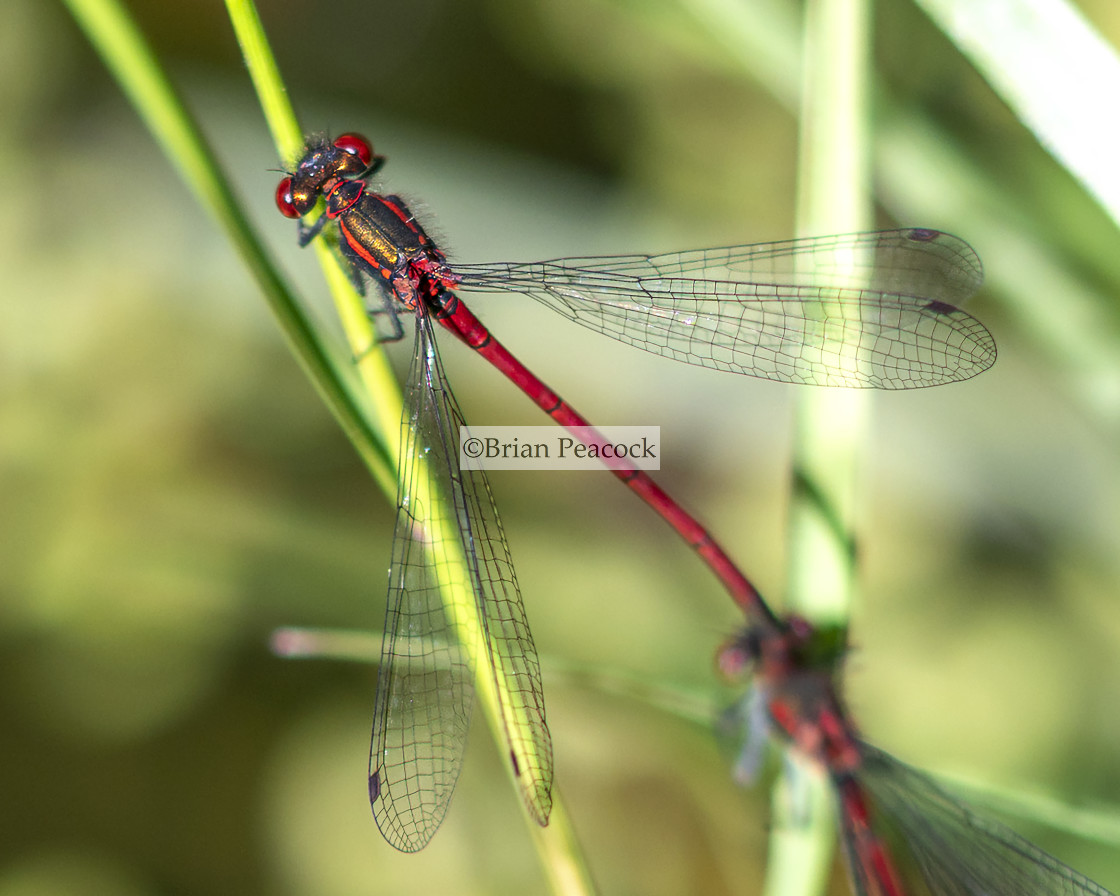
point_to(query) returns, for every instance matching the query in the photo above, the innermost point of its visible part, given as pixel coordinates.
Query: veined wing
(866, 309)
(944, 848)
(936, 264)
(453, 603)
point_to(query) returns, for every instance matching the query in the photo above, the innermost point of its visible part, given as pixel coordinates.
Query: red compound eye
(284, 199)
(357, 145)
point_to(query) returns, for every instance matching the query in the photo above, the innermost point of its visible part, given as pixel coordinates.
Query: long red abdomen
(459, 319)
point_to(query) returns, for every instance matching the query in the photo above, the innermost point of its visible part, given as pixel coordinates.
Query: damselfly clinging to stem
(867, 309)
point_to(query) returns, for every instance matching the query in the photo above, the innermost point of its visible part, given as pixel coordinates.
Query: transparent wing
(864, 309)
(448, 541)
(944, 848)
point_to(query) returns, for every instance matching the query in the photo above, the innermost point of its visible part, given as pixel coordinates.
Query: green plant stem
(122, 47)
(372, 364)
(369, 411)
(556, 844)
(924, 175)
(698, 706)
(833, 198)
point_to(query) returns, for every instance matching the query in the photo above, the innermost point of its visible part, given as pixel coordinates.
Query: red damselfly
(868, 309)
(903, 835)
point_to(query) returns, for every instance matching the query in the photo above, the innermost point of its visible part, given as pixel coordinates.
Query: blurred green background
(171, 489)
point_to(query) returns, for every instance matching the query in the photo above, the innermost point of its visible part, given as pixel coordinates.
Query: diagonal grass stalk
(1052, 68)
(368, 409)
(130, 60)
(556, 845)
(698, 706)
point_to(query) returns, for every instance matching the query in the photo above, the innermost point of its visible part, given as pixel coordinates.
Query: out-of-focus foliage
(171, 489)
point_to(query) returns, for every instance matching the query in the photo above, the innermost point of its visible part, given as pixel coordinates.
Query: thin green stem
(369, 410)
(128, 57)
(556, 844)
(925, 173)
(372, 365)
(698, 706)
(833, 198)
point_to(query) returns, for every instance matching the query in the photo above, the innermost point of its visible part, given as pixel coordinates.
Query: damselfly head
(323, 165)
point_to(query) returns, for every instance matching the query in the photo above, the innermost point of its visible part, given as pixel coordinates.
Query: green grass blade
(926, 175)
(699, 706)
(556, 844)
(1055, 71)
(373, 426)
(136, 69)
(288, 136)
